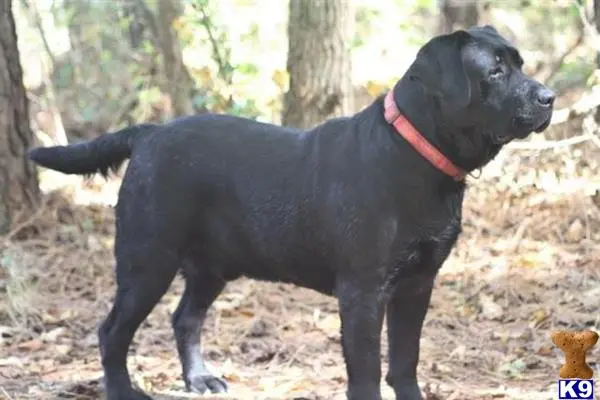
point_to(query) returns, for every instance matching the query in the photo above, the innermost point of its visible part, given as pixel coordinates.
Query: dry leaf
(54, 334)
(31, 345)
(513, 368)
(54, 316)
(596, 198)
(490, 309)
(538, 317)
(11, 362)
(544, 351)
(575, 231)
(468, 311)
(529, 260)
(61, 349)
(281, 78)
(375, 88)
(330, 323)
(458, 352)
(246, 312)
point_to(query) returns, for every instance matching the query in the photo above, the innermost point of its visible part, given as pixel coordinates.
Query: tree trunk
(597, 14)
(136, 26)
(179, 83)
(18, 180)
(456, 14)
(597, 24)
(142, 24)
(318, 62)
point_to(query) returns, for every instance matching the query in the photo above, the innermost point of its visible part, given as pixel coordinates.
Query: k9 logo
(575, 389)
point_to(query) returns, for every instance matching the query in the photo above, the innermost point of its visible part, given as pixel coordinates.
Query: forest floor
(526, 264)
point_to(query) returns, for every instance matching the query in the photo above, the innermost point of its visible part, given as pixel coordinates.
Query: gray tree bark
(455, 14)
(179, 83)
(18, 179)
(318, 63)
(597, 24)
(597, 14)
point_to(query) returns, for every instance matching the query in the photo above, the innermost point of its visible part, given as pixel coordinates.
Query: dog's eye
(498, 59)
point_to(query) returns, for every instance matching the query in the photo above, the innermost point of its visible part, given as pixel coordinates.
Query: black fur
(101, 155)
(348, 208)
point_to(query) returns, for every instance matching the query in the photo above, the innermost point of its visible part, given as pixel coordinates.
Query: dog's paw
(127, 395)
(139, 396)
(201, 384)
(408, 393)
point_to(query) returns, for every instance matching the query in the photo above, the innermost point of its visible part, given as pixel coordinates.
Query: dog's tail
(104, 153)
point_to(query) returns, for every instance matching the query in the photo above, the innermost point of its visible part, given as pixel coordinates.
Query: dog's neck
(464, 146)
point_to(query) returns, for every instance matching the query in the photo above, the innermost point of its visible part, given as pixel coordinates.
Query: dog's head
(477, 80)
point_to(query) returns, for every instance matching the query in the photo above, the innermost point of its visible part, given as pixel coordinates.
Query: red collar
(411, 134)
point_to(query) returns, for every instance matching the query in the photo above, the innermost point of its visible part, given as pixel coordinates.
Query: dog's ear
(439, 67)
(491, 29)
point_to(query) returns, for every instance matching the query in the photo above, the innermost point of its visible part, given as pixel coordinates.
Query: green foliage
(203, 18)
(150, 95)
(573, 73)
(64, 73)
(237, 59)
(363, 24)
(247, 69)
(426, 5)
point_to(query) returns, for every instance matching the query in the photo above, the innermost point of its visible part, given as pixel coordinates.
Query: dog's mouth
(523, 129)
(503, 139)
(543, 126)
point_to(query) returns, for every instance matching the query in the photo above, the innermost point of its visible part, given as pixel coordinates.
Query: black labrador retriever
(365, 208)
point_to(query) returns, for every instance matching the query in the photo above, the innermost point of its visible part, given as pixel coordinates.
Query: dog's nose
(545, 96)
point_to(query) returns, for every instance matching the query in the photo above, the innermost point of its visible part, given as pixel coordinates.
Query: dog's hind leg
(201, 289)
(140, 285)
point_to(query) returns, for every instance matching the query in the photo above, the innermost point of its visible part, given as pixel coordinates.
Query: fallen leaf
(11, 362)
(459, 352)
(544, 351)
(529, 260)
(246, 312)
(374, 89)
(50, 317)
(6, 331)
(538, 317)
(330, 323)
(54, 334)
(61, 349)
(596, 198)
(575, 231)
(281, 78)
(31, 345)
(54, 316)
(513, 368)
(468, 311)
(489, 308)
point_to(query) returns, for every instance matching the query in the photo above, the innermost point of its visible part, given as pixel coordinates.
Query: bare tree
(18, 180)
(597, 14)
(318, 61)
(140, 22)
(597, 24)
(457, 14)
(179, 83)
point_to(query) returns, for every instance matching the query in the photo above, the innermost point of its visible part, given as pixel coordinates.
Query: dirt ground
(526, 264)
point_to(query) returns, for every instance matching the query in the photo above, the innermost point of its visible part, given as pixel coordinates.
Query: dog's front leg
(406, 312)
(361, 313)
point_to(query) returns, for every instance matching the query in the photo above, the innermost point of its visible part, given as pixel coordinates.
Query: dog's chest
(436, 219)
(433, 247)
(417, 264)
(423, 245)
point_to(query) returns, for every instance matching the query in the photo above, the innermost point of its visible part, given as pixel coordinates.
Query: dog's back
(235, 193)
